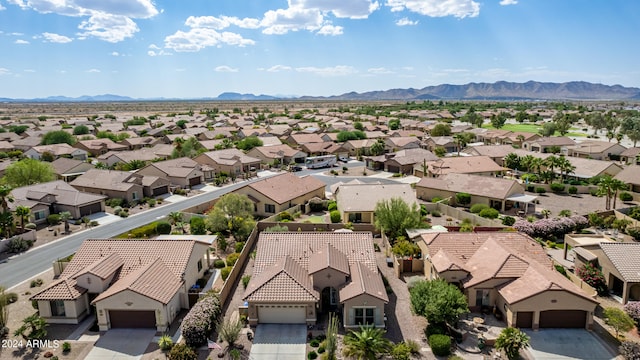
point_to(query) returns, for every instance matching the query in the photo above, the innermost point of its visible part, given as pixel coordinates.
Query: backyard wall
(459, 214)
(238, 268)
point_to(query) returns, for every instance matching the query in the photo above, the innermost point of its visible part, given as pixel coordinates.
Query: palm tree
(175, 217)
(512, 340)
(606, 188)
(366, 343)
(65, 216)
(566, 167)
(545, 213)
(512, 161)
(5, 197)
(551, 163)
(527, 162)
(461, 140)
(616, 186)
(134, 164)
(6, 223)
(23, 213)
(536, 164)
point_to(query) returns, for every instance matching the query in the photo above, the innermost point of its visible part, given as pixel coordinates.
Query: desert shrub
(30, 226)
(436, 213)
(152, 202)
(593, 192)
(489, 213)
(630, 350)
(401, 351)
(182, 352)
(312, 355)
(625, 196)
(143, 231)
(463, 198)
(197, 226)
(9, 298)
(557, 227)
(632, 308)
(508, 220)
(440, 344)
(225, 272)
(476, 208)
(593, 276)
(163, 227)
(276, 228)
(239, 246)
(414, 347)
(433, 329)
(117, 209)
(573, 190)
(232, 258)
(557, 188)
(314, 343)
(219, 264)
(531, 188)
(335, 216)
(284, 216)
(17, 245)
(561, 270)
(332, 205)
(115, 202)
(540, 190)
(66, 346)
(53, 219)
(199, 321)
(36, 283)
(634, 232)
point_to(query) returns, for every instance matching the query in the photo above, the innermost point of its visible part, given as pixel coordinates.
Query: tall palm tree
(23, 212)
(6, 223)
(5, 197)
(366, 343)
(65, 216)
(566, 167)
(461, 140)
(512, 161)
(527, 161)
(552, 162)
(616, 186)
(606, 188)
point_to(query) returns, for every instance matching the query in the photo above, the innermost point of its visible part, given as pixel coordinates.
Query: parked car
(296, 168)
(344, 158)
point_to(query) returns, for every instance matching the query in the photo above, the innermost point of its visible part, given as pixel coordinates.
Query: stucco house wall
(363, 301)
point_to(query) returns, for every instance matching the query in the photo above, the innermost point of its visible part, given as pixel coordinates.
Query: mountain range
(501, 90)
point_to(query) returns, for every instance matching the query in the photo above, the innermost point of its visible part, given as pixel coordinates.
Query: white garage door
(281, 314)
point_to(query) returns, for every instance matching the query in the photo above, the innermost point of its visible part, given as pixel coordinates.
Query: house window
(482, 297)
(365, 316)
(134, 195)
(39, 215)
(199, 265)
(270, 208)
(333, 296)
(355, 217)
(57, 308)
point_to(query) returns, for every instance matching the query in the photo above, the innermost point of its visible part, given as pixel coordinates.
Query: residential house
(299, 139)
(498, 193)
(97, 147)
(631, 176)
(545, 144)
(69, 169)
(510, 273)
(358, 147)
(357, 202)
(495, 152)
(480, 165)
(121, 184)
(277, 154)
(230, 161)
(300, 276)
(56, 151)
(132, 283)
(278, 193)
(26, 143)
(445, 142)
(55, 197)
(630, 156)
(6, 146)
(598, 150)
(584, 168)
(157, 152)
(403, 161)
(279, 130)
(323, 148)
(181, 172)
(135, 143)
(396, 143)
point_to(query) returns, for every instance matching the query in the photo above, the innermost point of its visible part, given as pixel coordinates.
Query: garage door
(524, 319)
(195, 181)
(393, 169)
(563, 319)
(132, 319)
(281, 314)
(90, 209)
(160, 190)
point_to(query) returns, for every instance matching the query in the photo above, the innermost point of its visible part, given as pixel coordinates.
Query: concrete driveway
(279, 341)
(122, 344)
(564, 344)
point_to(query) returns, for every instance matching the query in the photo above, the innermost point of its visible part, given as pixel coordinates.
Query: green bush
(625, 196)
(239, 246)
(321, 349)
(182, 352)
(440, 344)
(197, 226)
(312, 355)
(219, 264)
(66, 346)
(508, 220)
(30, 226)
(332, 205)
(152, 202)
(435, 199)
(232, 258)
(433, 329)
(489, 213)
(476, 208)
(284, 216)
(531, 188)
(436, 213)
(53, 219)
(540, 190)
(225, 272)
(573, 190)
(9, 298)
(634, 232)
(463, 198)
(593, 192)
(401, 351)
(314, 343)
(17, 245)
(245, 280)
(113, 202)
(557, 188)
(163, 227)
(36, 283)
(142, 232)
(335, 216)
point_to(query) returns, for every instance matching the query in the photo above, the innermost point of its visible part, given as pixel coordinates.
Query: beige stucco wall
(367, 216)
(127, 300)
(328, 278)
(75, 311)
(363, 301)
(128, 195)
(192, 274)
(252, 311)
(555, 300)
(176, 181)
(93, 283)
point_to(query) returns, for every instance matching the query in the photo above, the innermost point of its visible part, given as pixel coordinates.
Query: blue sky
(200, 48)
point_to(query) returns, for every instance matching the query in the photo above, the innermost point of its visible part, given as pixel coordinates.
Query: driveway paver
(279, 341)
(565, 344)
(122, 344)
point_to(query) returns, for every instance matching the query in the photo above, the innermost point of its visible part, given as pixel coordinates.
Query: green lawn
(531, 128)
(316, 219)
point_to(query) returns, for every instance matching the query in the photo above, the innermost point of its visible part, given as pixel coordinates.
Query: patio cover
(523, 198)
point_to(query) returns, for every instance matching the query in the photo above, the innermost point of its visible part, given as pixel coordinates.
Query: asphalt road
(26, 265)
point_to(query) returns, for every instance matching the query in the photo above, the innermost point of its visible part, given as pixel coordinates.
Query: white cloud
(406, 22)
(225, 68)
(278, 68)
(437, 8)
(2, 7)
(380, 70)
(221, 23)
(330, 30)
(115, 53)
(29, 70)
(107, 27)
(21, 42)
(197, 39)
(508, 2)
(93, 71)
(353, 9)
(281, 21)
(339, 70)
(4, 71)
(158, 53)
(56, 38)
(154, 47)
